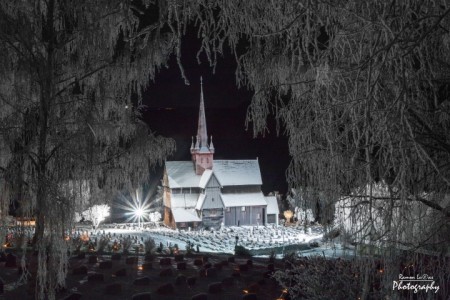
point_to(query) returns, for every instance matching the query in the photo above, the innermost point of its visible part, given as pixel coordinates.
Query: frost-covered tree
(97, 214)
(68, 73)
(155, 216)
(361, 89)
(312, 205)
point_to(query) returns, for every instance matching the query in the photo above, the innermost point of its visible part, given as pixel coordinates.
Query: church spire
(202, 134)
(202, 153)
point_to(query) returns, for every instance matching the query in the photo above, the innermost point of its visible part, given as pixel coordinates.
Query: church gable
(213, 182)
(212, 194)
(209, 180)
(212, 201)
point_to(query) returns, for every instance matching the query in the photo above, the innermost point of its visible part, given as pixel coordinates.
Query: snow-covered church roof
(243, 199)
(181, 174)
(185, 215)
(185, 200)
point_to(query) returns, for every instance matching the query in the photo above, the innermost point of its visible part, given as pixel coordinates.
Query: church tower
(202, 153)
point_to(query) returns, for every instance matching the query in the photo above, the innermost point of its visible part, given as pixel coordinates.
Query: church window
(243, 208)
(258, 216)
(228, 209)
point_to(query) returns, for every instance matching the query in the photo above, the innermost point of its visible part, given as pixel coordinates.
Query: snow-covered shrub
(304, 216)
(383, 218)
(96, 214)
(155, 216)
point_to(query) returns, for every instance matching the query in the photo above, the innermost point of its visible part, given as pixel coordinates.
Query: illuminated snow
(223, 240)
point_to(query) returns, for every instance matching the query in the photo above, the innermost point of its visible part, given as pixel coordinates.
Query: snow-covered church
(211, 192)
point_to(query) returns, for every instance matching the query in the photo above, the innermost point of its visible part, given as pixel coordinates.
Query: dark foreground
(161, 277)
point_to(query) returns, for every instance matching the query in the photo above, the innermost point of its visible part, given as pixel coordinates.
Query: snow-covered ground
(224, 240)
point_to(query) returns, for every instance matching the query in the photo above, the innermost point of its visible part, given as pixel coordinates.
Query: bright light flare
(138, 209)
(139, 212)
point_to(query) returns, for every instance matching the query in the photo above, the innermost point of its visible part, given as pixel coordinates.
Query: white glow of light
(139, 212)
(138, 209)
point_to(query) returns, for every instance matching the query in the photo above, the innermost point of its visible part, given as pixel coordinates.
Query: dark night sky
(173, 111)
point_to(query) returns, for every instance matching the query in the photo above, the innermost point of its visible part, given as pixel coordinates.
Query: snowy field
(223, 241)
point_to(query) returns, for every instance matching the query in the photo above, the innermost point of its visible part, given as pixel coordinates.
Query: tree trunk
(45, 280)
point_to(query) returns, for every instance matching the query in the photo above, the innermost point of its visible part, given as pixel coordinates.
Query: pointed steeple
(202, 134)
(202, 154)
(211, 146)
